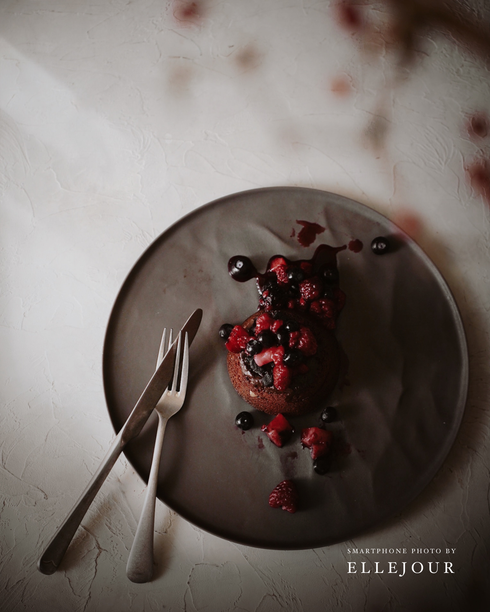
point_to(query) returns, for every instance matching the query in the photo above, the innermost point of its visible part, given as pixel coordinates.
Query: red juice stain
(287, 465)
(479, 176)
(188, 11)
(248, 57)
(341, 86)
(355, 245)
(408, 221)
(260, 442)
(478, 125)
(349, 16)
(309, 232)
(342, 448)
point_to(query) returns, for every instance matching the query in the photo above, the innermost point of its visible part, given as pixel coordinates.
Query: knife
(55, 550)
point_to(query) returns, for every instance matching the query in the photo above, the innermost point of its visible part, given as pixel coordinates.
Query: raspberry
(279, 430)
(279, 265)
(263, 322)
(304, 340)
(284, 496)
(238, 339)
(324, 308)
(275, 262)
(306, 267)
(311, 289)
(281, 376)
(317, 440)
(274, 354)
(276, 325)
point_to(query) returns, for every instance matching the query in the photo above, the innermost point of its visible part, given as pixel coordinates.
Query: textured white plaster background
(115, 120)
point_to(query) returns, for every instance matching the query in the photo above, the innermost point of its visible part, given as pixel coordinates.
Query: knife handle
(55, 550)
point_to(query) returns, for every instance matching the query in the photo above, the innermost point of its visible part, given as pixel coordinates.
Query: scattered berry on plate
(322, 465)
(329, 415)
(244, 420)
(279, 430)
(285, 496)
(318, 440)
(380, 245)
(241, 268)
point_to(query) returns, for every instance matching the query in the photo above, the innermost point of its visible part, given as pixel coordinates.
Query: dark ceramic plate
(399, 415)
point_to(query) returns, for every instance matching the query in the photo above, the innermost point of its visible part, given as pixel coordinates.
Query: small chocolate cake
(288, 361)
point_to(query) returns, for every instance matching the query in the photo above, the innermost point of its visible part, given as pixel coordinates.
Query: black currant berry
(241, 268)
(291, 325)
(322, 465)
(380, 245)
(296, 275)
(330, 275)
(244, 420)
(253, 347)
(282, 337)
(293, 357)
(328, 415)
(267, 338)
(225, 331)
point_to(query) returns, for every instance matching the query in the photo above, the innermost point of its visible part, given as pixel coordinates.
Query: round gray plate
(399, 414)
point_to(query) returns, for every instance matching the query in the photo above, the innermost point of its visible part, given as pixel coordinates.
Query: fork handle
(140, 561)
(55, 550)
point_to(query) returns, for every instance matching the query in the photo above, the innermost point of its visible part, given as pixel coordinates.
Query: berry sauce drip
(355, 245)
(309, 232)
(306, 285)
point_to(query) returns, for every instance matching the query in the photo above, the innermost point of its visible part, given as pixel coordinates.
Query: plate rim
(460, 405)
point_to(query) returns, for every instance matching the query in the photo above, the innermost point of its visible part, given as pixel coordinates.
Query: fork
(140, 561)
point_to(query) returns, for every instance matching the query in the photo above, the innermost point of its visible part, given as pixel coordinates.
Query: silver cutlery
(55, 550)
(140, 561)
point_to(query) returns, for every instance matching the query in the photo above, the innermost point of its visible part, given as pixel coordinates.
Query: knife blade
(57, 547)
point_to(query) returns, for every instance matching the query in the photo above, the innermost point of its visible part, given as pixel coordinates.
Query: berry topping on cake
(318, 440)
(296, 284)
(244, 420)
(279, 430)
(285, 496)
(284, 357)
(238, 339)
(225, 331)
